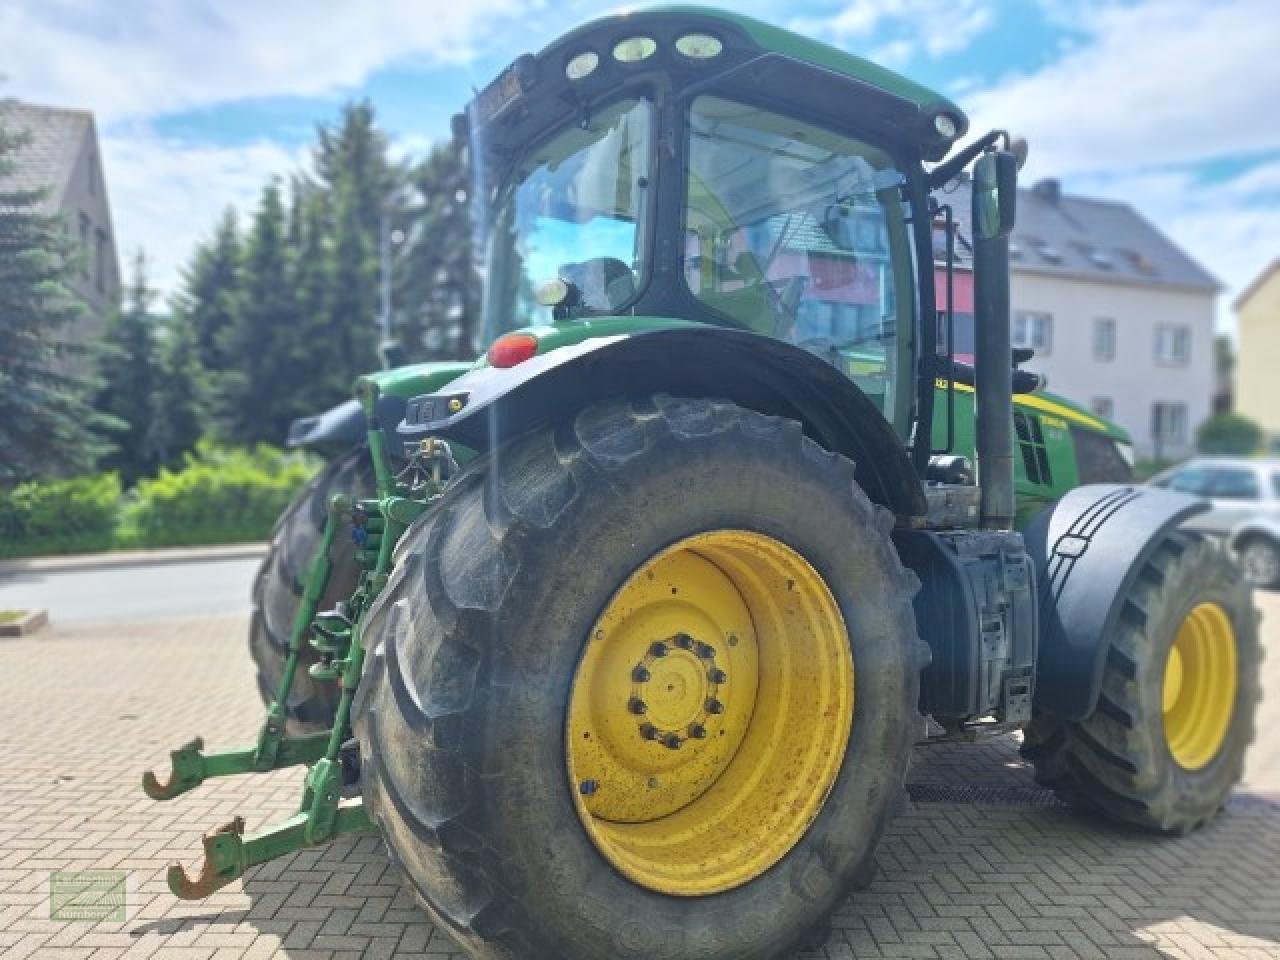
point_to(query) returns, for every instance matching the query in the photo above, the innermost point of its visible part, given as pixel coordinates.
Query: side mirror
(995, 194)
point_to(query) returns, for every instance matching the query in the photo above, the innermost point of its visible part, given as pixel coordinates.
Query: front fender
(344, 426)
(489, 405)
(1088, 549)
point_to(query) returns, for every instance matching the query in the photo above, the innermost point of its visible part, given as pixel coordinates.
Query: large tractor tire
(1165, 745)
(642, 686)
(278, 585)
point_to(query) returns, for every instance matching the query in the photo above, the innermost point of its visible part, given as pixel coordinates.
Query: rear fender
(489, 405)
(1088, 549)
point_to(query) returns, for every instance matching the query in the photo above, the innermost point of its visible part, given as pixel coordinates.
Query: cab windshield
(799, 232)
(573, 209)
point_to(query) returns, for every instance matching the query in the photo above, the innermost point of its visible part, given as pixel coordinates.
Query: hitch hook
(222, 864)
(187, 773)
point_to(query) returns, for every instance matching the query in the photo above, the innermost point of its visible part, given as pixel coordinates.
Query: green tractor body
(621, 635)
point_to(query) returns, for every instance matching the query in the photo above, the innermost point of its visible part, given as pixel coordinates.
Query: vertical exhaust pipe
(995, 178)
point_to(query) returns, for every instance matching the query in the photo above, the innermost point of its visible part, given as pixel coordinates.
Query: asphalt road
(133, 593)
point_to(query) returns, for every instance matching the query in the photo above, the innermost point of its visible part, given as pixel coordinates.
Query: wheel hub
(710, 713)
(1200, 682)
(676, 691)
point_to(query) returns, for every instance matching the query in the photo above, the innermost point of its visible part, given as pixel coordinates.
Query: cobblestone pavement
(980, 864)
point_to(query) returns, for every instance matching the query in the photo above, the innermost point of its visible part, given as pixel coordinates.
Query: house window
(1033, 329)
(1173, 345)
(1169, 424)
(100, 260)
(85, 229)
(1103, 407)
(1104, 339)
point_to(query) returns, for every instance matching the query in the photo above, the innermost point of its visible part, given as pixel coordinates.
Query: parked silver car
(1245, 498)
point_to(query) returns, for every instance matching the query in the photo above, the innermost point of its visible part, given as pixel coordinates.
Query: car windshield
(573, 209)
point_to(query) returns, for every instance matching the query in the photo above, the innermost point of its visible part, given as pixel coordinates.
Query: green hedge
(60, 516)
(219, 495)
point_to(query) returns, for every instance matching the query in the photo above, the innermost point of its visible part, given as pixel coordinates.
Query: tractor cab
(703, 166)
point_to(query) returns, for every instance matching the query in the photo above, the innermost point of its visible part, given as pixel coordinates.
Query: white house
(1120, 318)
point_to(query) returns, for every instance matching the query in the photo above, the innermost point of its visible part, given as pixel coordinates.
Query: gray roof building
(1120, 318)
(62, 157)
(1087, 239)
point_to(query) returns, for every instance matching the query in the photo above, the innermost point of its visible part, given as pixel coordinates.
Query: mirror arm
(945, 172)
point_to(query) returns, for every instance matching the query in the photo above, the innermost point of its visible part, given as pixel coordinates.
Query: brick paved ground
(87, 708)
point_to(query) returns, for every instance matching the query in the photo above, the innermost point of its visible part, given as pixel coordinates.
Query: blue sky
(1168, 104)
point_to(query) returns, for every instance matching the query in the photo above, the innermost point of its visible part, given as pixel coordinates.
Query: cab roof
(773, 39)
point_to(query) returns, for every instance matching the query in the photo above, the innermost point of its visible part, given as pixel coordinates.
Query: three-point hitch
(324, 813)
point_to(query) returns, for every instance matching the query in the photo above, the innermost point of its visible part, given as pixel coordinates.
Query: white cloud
(1156, 83)
(1135, 110)
(153, 57)
(166, 195)
(933, 27)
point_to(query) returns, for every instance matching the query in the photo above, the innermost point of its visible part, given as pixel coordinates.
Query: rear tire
(1156, 752)
(463, 713)
(278, 586)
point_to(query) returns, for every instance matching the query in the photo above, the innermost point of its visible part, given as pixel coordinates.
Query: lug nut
(714, 706)
(588, 788)
(640, 675)
(671, 741)
(658, 649)
(637, 706)
(684, 641)
(648, 731)
(697, 731)
(716, 675)
(706, 651)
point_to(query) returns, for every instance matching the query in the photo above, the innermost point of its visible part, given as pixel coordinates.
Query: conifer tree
(179, 403)
(439, 292)
(266, 363)
(47, 426)
(210, 295)
(128, 369)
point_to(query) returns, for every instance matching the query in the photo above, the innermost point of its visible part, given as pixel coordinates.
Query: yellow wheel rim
(1200, 686)
(710, 713)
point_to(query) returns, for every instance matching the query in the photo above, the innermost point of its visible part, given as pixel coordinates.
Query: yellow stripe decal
(1042, 404)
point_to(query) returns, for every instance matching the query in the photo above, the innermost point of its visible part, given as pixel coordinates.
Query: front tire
(1165, 745)
(1260, 562)
(278, 585)
(469, 712)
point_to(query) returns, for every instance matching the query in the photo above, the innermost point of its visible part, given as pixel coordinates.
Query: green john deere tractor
(621, 635)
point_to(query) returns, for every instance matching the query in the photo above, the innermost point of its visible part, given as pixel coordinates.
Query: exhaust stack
(994, 199)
